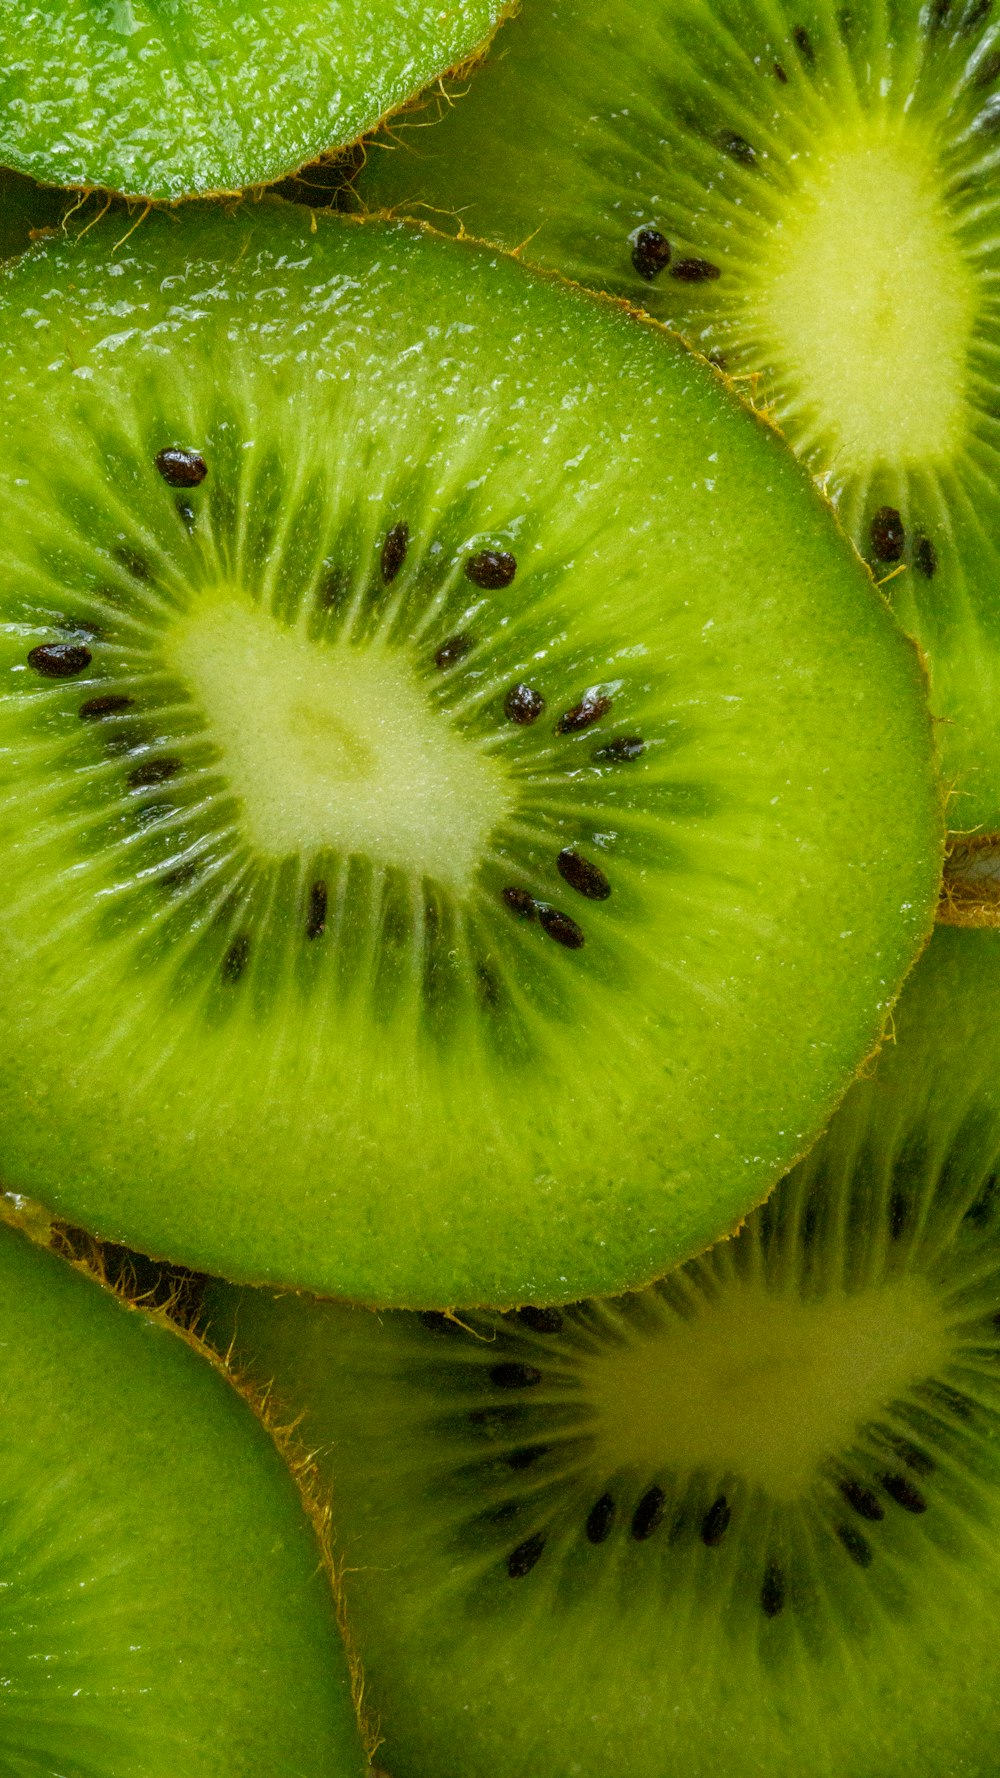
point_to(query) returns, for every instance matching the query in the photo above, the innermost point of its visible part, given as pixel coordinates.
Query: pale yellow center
(867, 302)
(764, 1386)
(334, 746)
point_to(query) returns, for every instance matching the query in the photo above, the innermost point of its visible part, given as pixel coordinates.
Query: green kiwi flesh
(745, 1523)
(465, 812)
(165, 1608)
(810, 193)
(168, 101)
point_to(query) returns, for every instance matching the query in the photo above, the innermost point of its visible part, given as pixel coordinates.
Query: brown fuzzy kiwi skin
(172, 1304)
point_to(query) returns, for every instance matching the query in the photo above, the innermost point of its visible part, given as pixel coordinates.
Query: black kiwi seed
(803, 43)
(455, 649)
(514, 1376)
(520, 902)
(904, 1493)
(560, 927)
(542, 1321)
(394, 551)
(740, 149)
(715, 1524)
(648, 1514)
(650, 252)
(772, 1592)
(779, 74)
(939, 13)
(623, 747)
(236, 958)
(600, 1519)
(522, 1560)
(154, 771)
(592, 706)
(59, 660)
(491, 568)
(857, 1547)
(523, 705)
(316, 922)
(695, 271)
(181, 468)
(864, 1502)
(110, 704)
(924, 553)
(586, 878)
(887, 534)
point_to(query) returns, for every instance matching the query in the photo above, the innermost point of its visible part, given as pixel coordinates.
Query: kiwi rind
(589, 134)
(519, 1598)
(166, 1605)
(833, 851)
(215, 97)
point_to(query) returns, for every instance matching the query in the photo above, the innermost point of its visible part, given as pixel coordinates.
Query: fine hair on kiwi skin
(745, 1521)
(245, 1078)
(167, 1609)
(809, 194)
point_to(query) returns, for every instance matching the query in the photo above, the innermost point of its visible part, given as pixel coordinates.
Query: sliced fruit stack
(494, 1280)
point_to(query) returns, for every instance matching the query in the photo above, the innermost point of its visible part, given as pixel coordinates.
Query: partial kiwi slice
(164, 101)
(166, 1610)
(465, 811)
(745, 1523)
(810, 193)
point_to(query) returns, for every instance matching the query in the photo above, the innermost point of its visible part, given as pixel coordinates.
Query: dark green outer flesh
(25, 208)
(167, 101)
(776, 858)
(874, 1658)
(589, 122)
(166, 1613)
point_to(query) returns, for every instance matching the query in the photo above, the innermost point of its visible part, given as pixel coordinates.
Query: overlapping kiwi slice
(465, 811)
(811, 194)
(164, 101)
(165, 1608)
(744, 1524)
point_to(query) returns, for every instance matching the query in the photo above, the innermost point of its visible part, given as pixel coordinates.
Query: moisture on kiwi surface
(745, 1523)
(163, 101)
(810, 194)
(165, 1608)
(465, 810)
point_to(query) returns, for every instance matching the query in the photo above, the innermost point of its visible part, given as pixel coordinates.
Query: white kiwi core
(764, 1385)
(866, 300)
(337, 746)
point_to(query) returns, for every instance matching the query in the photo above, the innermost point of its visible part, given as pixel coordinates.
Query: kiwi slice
(745, 1523)
(165, 1609)
(164, 101)
(811, 194)
(465, 811)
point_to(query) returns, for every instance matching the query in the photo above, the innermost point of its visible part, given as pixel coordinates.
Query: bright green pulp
(267, 1008)
(165, 1611)
(161, 100)
(836, 171)
(744, 1524)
